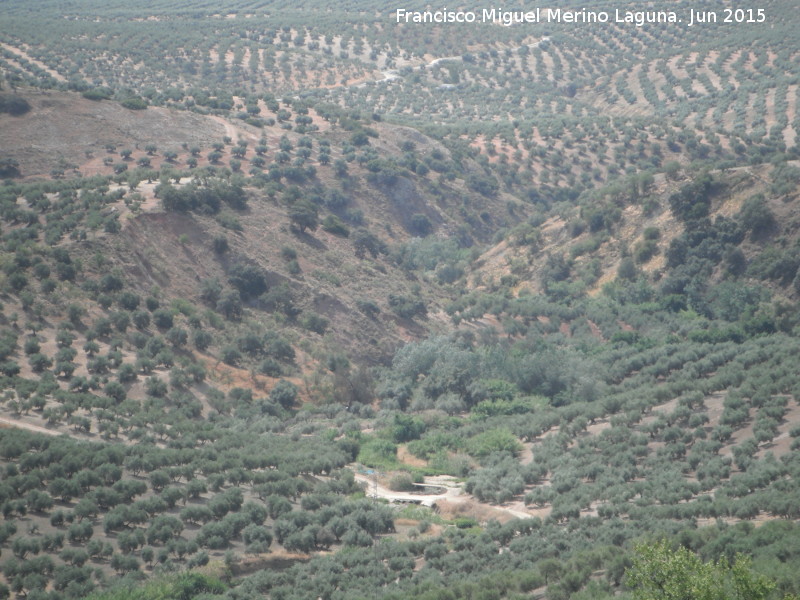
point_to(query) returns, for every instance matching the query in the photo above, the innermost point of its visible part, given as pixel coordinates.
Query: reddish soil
(596, 331)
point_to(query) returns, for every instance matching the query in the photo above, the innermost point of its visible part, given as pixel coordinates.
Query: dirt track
(453, 495)
(17, 424)
(452, 491)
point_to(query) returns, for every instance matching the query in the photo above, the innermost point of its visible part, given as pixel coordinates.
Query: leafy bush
(405, 307)
(379, 453)
(402, 482)
(756, 216)
(314, 322)
(176, 587)
(13, 104)
(248, 279)
(660, 573)
(693, 200)
(134, 103)
(333, 224)
(483, 184)
(493, 440)
(284, 393)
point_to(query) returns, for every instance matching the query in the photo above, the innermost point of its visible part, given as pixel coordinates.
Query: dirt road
(452, 491)
(17, 424)
(453, 494)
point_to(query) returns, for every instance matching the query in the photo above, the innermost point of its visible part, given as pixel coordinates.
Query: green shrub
(493, 440)
(13, 104)
(379, 453)
(134, 103)
(465, 522)
(402, 482)
(314, 322)
(645, 250)
(333, 225)
(176, 587)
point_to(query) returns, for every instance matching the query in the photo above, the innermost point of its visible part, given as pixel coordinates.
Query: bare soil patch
(526, 455)
(789, 133)
(62, 127)
(274, 561)
(660, 409)
(9, 423)
(714, 408)
(477, 510)
(598, 427)
(596, 331)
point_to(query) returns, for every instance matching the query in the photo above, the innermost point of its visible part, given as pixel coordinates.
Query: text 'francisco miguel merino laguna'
(537, 15)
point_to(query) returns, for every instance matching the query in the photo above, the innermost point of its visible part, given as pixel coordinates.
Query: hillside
(173, 251)
(633, 220)
(301, 302)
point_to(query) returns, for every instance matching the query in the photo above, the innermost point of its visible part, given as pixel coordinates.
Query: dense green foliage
(659, 573)
(188, 585)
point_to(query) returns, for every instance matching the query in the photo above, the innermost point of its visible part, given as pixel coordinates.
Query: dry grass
(405, 457)
(62, 127)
